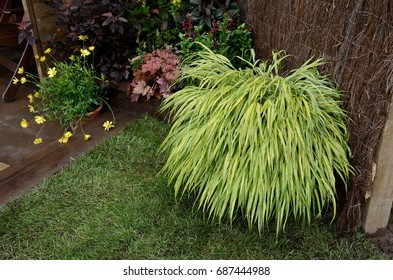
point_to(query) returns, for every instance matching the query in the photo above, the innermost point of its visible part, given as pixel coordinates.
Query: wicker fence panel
(356, 38)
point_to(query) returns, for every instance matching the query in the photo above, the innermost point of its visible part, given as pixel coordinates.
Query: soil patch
(383, 238)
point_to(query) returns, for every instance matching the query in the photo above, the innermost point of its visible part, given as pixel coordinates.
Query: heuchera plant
(154, 74)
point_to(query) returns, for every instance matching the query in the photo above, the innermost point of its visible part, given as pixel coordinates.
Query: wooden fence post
(378, 206)
(43, 21)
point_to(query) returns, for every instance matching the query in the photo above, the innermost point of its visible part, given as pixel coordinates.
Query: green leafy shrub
(255, 141)
(228, 37)
(157, 23)
(204, 12)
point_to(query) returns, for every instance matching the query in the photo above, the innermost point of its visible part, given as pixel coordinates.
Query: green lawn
(111, 204)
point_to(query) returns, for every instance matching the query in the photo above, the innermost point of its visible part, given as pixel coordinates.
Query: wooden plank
(43, 20)
(28, 6)
(378, 206)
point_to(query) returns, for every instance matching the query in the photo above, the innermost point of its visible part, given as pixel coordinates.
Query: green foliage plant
(68, 94)
(256, 141)
(205, 12)
(228, 37)
(157, 23)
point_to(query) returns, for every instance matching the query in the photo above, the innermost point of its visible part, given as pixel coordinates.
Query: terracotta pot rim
(90, 116)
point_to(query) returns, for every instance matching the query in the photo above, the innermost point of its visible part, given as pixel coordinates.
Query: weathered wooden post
(43, 21)
(378, 206)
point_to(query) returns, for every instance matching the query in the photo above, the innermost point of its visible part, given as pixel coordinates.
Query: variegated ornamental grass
(255, 140)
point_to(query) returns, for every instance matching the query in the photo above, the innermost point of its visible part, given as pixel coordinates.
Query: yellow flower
(31, 98)
(24, 123)
(31, 108)
(87, 137)
(23, 80)
(36, 94)
(39, 119)
(142, 3)
(52, 72)
(37, 141)
(72, 57)
(83, 37)
(176, 3)
(48, 50)
(37, 56)
(21, 70)
(91, 48)
(108, 125)
(15, 80)
(85, 52)
(67, 134)
(65, 137)
(43, 58)
(63, 140)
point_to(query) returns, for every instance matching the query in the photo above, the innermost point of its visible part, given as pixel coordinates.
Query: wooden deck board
(29, 164)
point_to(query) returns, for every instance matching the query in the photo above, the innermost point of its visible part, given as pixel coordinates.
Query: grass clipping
(253, 140)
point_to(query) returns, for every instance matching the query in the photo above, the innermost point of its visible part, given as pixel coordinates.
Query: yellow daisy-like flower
(72, 57)
(52, 72)
(37, 141)
(15, 80)
(39, 119)
(63, 140)
(68, 134)
(31, 98)
(108, 125)
(83, 37)
(85, 52)
(87, 137)
(91, 48)
(48, 50)
(37, 56)
(24, 123)
(21, 70)
(23, 80)
(65, 137)
(31, 108)
(43, 58)
(37, 94)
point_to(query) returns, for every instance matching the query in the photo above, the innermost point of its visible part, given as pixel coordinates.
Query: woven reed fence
(356, 38)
